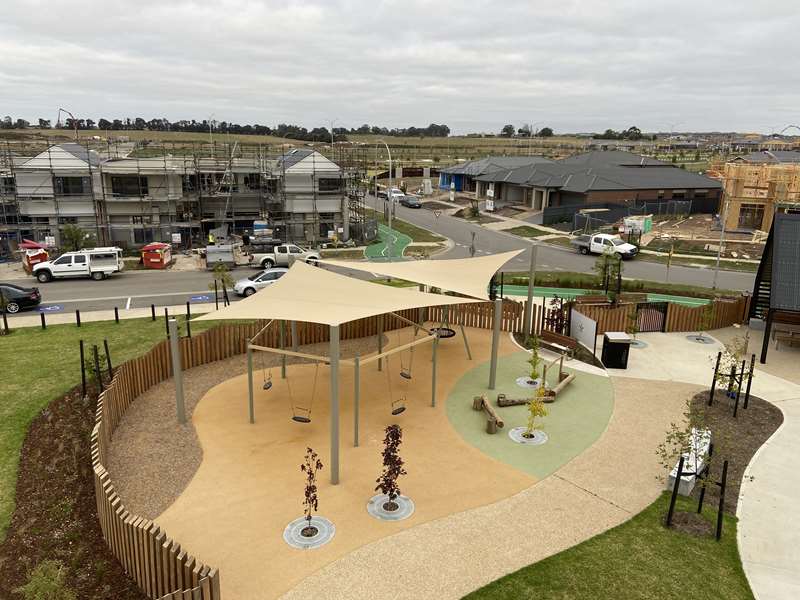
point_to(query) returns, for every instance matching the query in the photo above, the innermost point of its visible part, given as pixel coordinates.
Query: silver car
(250, 285)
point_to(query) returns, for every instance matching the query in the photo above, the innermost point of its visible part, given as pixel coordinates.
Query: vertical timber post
(250, 404)
(295, 341)
(675, 487)
(498, 310)
(380, 341)
(177, 370)
(334, 358)
(433, 370)
(356, 397)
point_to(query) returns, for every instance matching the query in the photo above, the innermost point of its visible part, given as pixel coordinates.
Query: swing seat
(398, 407)
(267, 384)
(443, 332)
(301, 415)
(301, 419)
(405, 374)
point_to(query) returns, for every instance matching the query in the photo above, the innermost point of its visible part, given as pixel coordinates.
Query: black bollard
(83, 371)
(723, 482)
(44, 324)
(78, 317)
(166, 320)
(153, 311)
(188, 318)
(216, 296)
(116, 315)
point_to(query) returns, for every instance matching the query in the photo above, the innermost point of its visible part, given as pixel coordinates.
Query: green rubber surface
(399, 241)
(548, 292)
(575, 421)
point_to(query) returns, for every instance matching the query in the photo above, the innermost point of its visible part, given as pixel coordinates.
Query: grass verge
(568, 279)
(417, 234)
(40, 365)
(709, 263)
(640, 559)
(527, 231)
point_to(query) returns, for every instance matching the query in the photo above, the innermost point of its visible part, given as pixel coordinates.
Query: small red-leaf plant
(392, 466)
(310, 467)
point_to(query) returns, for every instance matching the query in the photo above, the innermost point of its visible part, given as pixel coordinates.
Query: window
(128, 185)
(295, 250)
(7, 185)
(64, 260)
(660, 194)
(751, 216)
(699, 194)
(79, 259)
(187, 184)
(330, 185)
(71, 186)
(678, 194)
(143, 220)
(281, 249)
(142, 236)
(252, 181)
(66, 220)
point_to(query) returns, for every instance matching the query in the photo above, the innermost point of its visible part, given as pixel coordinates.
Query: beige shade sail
(314, 295)
(468, 276)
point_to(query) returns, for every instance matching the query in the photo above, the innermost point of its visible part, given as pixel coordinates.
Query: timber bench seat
(560, 343)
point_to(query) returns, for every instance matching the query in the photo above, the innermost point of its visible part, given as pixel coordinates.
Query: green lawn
(639, 559)
(527, 231)
(39, 366)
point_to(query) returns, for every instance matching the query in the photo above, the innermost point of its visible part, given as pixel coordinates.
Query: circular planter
(700, 339)
(405, 508)
(293, 534)
(539, 436)
(528, 383)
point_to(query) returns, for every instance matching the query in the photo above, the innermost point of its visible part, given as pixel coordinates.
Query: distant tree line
(525, 131)
(317, 134)
(631, 133)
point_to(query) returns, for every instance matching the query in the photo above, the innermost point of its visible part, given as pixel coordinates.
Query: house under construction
(753, 193)
(130, 194)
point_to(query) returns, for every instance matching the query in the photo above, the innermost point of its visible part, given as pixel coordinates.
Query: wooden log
(503, 400)
(562, 384)
(493, 419)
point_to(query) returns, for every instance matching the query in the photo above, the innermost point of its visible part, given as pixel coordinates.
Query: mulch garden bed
(436, 206)
(56, 516)
(735, 440)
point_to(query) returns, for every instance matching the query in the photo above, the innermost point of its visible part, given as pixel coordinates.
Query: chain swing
(397, 406)
(302, 414)
(267, 373)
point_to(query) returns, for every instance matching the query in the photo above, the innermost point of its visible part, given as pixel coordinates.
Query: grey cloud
(576, 65)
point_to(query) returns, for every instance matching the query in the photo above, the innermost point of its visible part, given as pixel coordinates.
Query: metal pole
(334, 357)
(216, 296)
(380, 341)
(281, 343)
(466, 342)
(723, 483)
(250, 384)
(356, 397)
(498, 310)
(78, 317)
(166, 320)
(721, 241)
(749, 380)
(295, 341)
(177, 371)
(714, 380)
(433, 370)
(83, 370)
(188, 319)
(108, 359)
(675, 487)
(153, 312)
(526, 322)
(97, 372)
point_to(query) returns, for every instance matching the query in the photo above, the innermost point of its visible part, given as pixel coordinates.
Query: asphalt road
(555, 258)
(140, 289)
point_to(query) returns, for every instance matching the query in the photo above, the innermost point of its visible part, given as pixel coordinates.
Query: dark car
(16, 298)
(410, 202)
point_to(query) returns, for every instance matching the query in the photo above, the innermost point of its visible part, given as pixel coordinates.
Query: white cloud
(475, 65)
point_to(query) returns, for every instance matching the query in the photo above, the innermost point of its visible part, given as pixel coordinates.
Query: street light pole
(389, 200)
(723, 219)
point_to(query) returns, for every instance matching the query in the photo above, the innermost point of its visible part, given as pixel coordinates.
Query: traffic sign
(200, 298)
(52, 308)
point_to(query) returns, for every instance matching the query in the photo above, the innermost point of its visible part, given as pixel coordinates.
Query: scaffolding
(132, 193)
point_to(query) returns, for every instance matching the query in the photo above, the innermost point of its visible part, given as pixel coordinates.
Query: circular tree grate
(444, 332)
(638, 344)
(528, 383)
(405, 508)
(539, 436)
(293, 534)
(700, 339)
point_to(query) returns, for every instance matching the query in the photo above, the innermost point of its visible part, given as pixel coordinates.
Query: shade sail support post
(356, 397)
(250, 403)
(334, 354)
(498, 313)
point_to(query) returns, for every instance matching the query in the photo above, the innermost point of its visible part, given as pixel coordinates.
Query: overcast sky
(572, 65)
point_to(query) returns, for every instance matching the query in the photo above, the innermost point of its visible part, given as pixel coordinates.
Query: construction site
(132, 193)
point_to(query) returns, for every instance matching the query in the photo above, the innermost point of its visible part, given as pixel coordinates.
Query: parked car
(410, 201)
(16, 298)
(279, 256)
(97, 263)
(250, 285)
(598, 243)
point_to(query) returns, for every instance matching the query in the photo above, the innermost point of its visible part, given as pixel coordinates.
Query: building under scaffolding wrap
(132, 194)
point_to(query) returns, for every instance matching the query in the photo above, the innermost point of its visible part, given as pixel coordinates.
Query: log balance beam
(493, 421)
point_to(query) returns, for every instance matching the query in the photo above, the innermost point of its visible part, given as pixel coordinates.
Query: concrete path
(768, 535)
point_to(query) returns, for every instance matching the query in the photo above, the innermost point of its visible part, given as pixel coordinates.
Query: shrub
(46, 582)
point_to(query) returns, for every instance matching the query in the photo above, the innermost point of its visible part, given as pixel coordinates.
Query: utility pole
(723, 219)
(390, 202)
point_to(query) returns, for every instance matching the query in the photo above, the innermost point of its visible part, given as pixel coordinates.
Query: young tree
(311, 466)
(392, 467)
(606, 267)
(222, 276)
(535, 360)
(632, 324)
(507, 130)
(706, 320)
(536, 409)
(74, 238)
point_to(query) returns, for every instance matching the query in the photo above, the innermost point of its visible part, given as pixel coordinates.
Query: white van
(97, 263)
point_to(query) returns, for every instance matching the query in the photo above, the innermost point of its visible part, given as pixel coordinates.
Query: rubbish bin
(616, 345)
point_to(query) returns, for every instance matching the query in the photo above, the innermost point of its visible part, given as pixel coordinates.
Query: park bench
(693, 462)
(558, 342)
(493, 421)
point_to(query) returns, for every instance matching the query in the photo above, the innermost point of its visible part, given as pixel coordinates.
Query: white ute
(97, 263)
(598, 243)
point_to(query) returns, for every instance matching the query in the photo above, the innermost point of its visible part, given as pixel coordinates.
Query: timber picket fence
(160, 566)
